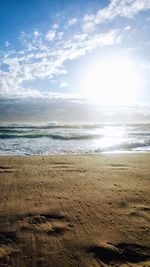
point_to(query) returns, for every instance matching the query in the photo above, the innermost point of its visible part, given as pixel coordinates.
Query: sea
(55, 138)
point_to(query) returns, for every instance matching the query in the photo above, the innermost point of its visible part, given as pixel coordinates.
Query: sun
(111, 82)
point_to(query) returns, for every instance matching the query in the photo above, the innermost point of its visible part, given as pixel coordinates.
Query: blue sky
(56, 50)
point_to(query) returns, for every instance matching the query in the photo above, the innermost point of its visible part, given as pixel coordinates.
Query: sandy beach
(75, 210)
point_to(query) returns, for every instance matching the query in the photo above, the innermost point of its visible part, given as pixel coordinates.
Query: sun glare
(111, 82)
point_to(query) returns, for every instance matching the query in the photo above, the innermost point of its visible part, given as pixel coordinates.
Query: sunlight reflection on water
(112, 136)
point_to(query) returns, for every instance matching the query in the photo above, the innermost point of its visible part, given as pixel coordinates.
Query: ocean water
(53, 138)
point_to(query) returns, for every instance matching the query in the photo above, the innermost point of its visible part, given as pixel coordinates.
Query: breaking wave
(73, 138)
(52, 136)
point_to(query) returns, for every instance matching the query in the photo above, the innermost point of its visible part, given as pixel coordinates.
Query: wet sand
(75, 210)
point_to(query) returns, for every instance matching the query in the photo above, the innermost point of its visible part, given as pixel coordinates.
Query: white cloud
(127, 28)
(60, 35)
(72, 21)
(55, 26)
(30, 46)
(64, 84)
(36, 33)
(88, 26)
(80, 37)
(7, 44)
(50, 35)
(122, 8)
(88, 18)
(116, 8)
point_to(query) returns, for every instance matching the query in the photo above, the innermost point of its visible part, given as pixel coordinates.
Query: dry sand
(75, 210)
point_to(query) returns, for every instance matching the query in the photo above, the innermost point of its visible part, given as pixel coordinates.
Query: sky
(70, 61)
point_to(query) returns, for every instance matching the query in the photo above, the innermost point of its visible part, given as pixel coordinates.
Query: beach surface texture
(75, 210)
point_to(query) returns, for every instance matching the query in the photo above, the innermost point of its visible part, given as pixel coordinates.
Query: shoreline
(80, 154)
(70, 210)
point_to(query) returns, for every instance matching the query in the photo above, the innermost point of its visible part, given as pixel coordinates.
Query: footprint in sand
(5, 253)
(68, 167)
(6, 169)
(7, 237)
(120, 253)
(118, 167)
(8, 241)
(51, 224)
(140, 211)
